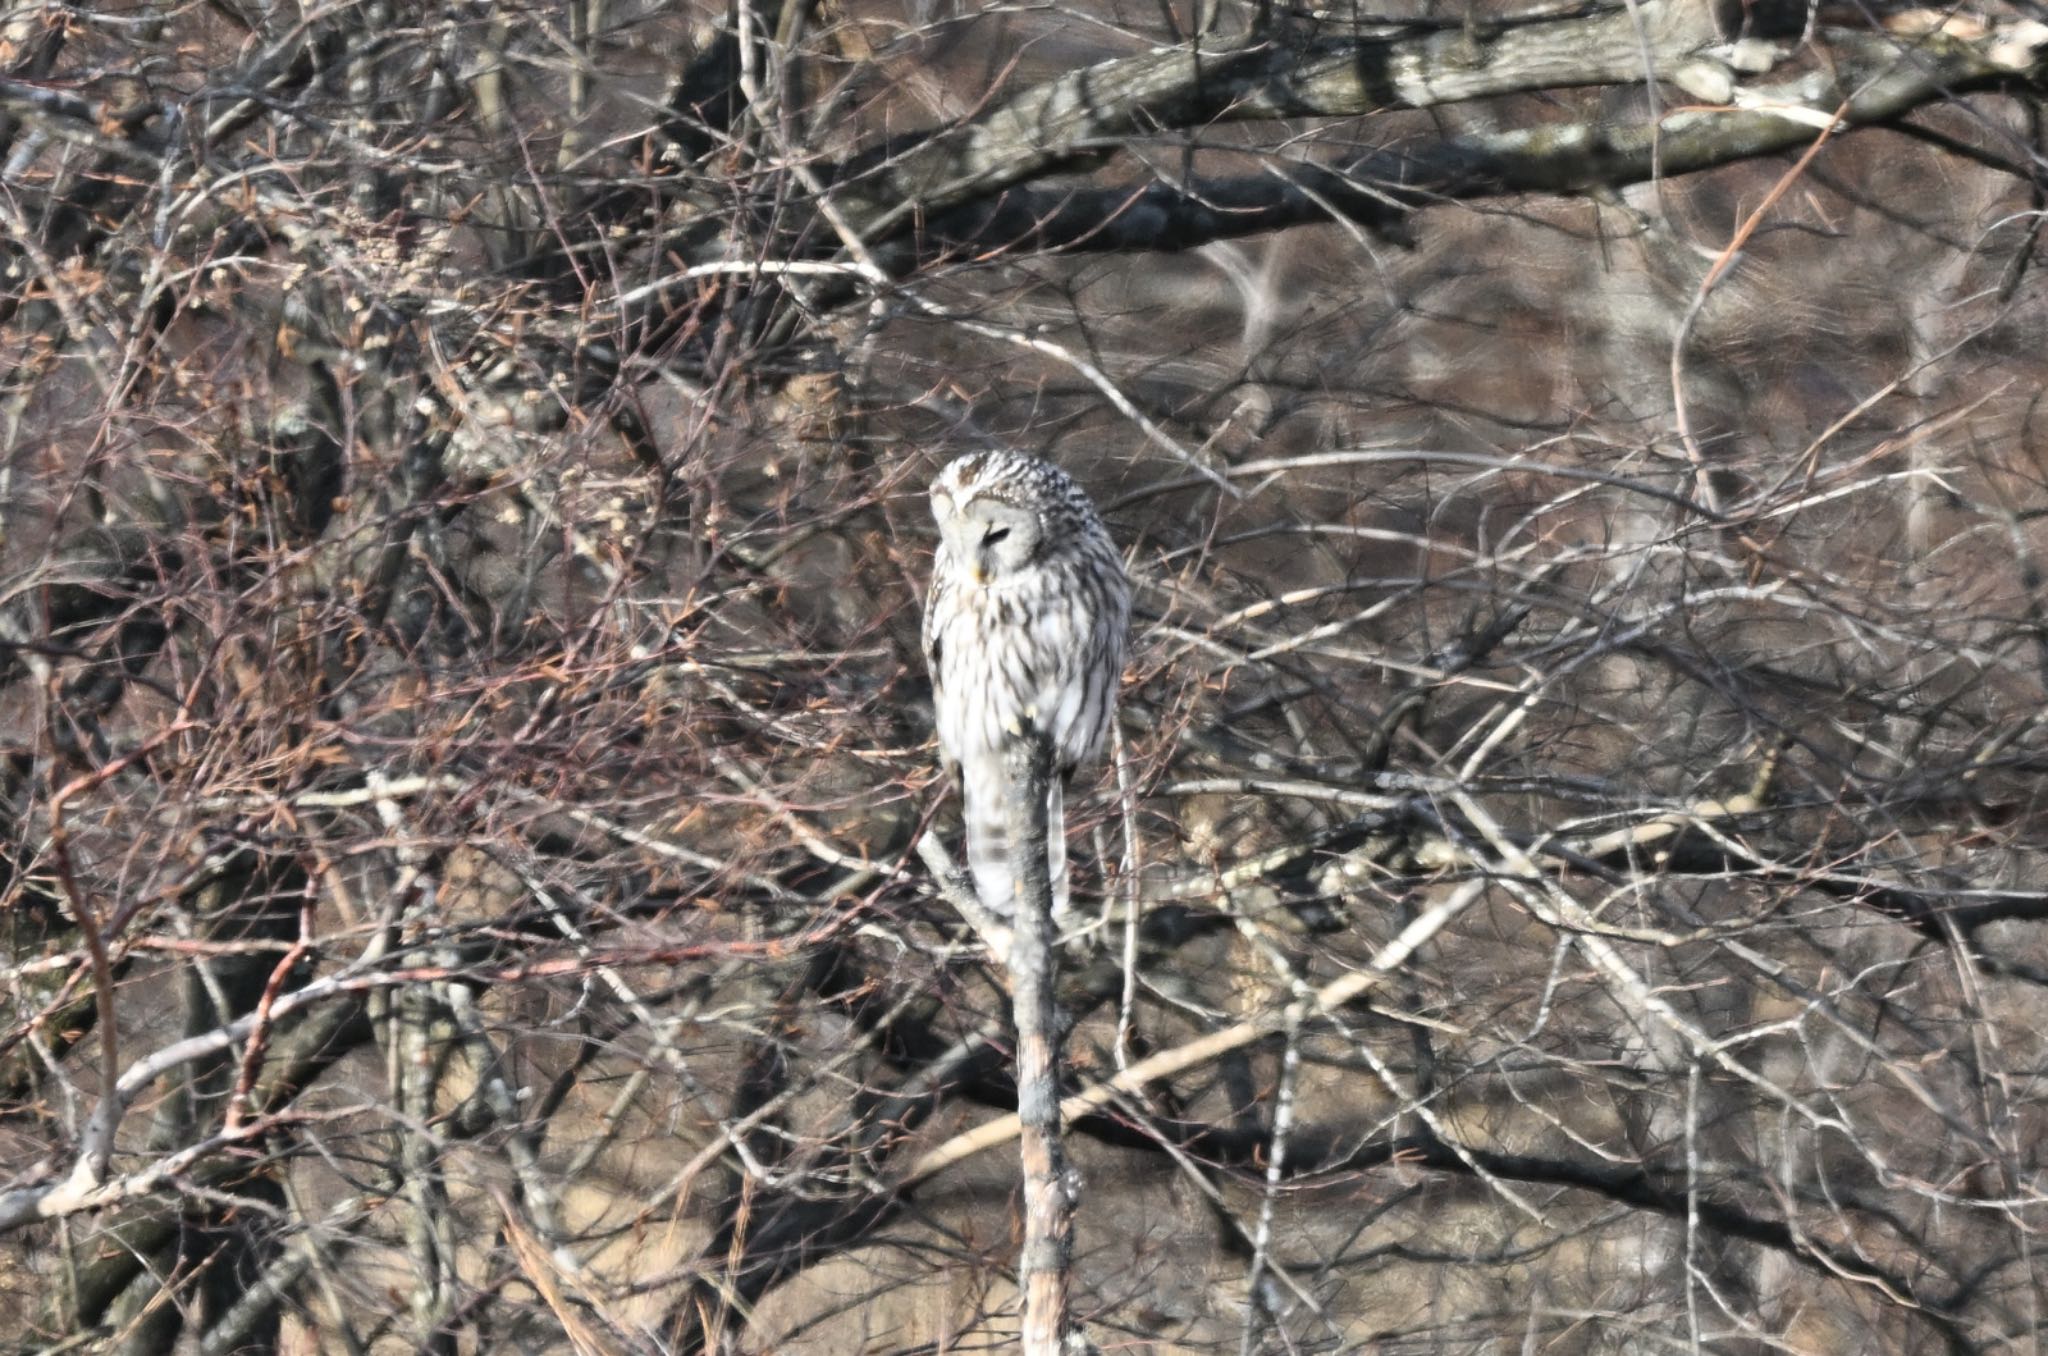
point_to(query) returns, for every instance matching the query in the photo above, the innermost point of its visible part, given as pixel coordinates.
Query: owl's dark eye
(995, 534)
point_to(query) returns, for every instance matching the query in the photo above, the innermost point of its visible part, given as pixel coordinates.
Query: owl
(1024, 628)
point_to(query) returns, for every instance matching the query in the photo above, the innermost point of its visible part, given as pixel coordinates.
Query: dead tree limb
(1045, 1264)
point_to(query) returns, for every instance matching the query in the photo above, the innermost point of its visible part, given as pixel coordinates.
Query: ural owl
(1024, 628)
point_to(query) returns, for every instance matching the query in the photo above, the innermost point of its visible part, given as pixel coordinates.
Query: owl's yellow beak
(977, 574)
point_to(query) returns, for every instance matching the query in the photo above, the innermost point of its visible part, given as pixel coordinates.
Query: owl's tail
(1056, 844)
(988, 846)
(988, 843)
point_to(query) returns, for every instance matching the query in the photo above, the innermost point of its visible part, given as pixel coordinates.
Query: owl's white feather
(1024, 629)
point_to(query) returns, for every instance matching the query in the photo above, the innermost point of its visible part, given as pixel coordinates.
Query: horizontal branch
(1324, 1153)
(1215, 1045)
(1263, 76)
(88, 1187)
(1875, 81)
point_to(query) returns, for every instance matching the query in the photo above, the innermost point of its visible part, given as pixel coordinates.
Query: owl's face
(988, 536)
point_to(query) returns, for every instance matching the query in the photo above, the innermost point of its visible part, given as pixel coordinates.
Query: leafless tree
(1571, 877)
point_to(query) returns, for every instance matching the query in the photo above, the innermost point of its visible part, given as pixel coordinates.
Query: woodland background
(463, 744)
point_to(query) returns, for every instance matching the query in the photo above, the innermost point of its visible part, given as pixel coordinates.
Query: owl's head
(987, 507)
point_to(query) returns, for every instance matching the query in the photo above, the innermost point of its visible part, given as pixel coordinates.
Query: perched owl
(1024, 628)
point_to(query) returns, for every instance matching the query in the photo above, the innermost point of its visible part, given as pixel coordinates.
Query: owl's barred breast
(1057, 636)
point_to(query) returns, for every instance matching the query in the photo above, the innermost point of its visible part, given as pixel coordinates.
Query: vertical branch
(1133, 869)
(417, 1036)
(1042, 1271)
(1257, 1308)
(586, 17)
(418, 1041)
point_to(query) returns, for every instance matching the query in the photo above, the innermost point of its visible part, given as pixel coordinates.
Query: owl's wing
(933, 642)
(937, 604)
